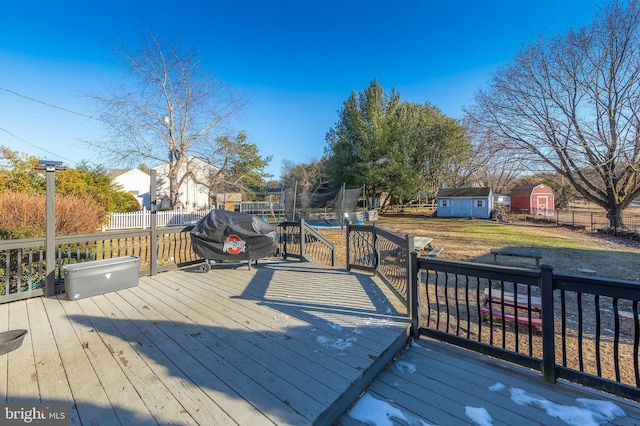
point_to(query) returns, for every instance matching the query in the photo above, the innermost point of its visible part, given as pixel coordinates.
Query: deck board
(91, 401)
(284, 343)
(118, 387)
(164, 390)
(435, 382)
(22, 376)
(51, 378)
(4, 326)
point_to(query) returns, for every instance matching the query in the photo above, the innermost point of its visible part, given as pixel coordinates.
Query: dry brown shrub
(73, 215)
(20, 209)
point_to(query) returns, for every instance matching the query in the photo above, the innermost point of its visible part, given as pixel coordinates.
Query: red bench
(494, 305)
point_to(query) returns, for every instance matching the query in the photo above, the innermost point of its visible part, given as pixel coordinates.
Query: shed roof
(525, 190)
(463, 192)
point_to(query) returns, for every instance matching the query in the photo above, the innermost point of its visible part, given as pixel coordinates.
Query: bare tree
(574, 101)
(312, 174)
(492, 163)
(168, 109)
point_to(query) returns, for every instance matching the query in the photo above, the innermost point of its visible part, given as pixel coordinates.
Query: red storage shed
(533, 199)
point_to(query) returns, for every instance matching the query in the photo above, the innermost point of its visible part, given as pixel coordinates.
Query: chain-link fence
(588, 220)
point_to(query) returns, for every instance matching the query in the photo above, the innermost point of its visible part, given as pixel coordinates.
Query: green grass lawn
(565, 250)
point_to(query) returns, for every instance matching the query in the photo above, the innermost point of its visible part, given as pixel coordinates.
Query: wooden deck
(433, 383)
(284, 343)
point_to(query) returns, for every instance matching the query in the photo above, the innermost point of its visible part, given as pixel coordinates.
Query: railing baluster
(466, 302)
(580, 332)
(457, 306)
(563, 318)
(616, 340)
(529, 304)
(446, 300)
(598, 324)
(636, 343)
(478, 311)
(428, 297)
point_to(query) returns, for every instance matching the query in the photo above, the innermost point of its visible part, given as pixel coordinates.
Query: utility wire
(35, 146)
(48, 104)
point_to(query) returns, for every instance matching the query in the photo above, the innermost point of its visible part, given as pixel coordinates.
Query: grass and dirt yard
(471, 240)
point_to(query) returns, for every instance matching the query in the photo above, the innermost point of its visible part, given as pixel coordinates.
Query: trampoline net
(329, 206)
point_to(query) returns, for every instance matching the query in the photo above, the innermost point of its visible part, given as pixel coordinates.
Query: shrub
(20, 232)
(24, 215)
(124, 202)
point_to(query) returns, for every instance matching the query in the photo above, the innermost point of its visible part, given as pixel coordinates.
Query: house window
(479, 203)
(444, 203)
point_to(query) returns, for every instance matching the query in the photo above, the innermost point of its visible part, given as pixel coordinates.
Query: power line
(48, 104)
(35, 146)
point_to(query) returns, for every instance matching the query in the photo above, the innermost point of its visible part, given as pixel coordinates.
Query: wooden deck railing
(300, 241)
(22, 262)
(587, 330)
(372, 248)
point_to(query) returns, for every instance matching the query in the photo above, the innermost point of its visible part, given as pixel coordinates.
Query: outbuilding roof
(525, 190)
(463, 192)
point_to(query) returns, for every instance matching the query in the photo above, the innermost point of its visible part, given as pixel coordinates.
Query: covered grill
(233, 236)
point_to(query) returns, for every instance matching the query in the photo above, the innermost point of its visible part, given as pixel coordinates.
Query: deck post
(410, 248)
(548, 332)
(348, 241)
(412, 294)
(376, 255)
(302, 236)
(50, 168)
(153, 224)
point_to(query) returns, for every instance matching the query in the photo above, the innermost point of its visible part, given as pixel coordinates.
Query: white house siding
(137, 183)
(191, 194)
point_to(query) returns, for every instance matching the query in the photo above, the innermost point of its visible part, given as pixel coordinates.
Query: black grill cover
(227, 235)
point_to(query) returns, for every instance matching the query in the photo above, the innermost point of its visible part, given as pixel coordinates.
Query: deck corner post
(153, 224)
(412, 295)
(376, 255)
(302, 237)
(348, 244)
(50, 279)
(548, 331)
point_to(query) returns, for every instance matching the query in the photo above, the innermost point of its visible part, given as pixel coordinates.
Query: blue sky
(294, 62)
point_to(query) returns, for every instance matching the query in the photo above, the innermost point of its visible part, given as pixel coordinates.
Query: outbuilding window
(479, 203)
(444, 202)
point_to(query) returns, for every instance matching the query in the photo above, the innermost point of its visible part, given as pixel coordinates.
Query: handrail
(23, 264)
(385, 253)
(301, 241)
(572, 317)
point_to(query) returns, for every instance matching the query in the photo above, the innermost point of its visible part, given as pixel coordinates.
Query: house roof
(114, 173)
(463, 192)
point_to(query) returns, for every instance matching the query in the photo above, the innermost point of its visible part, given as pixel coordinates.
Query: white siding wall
(136, 182)
(191, 195)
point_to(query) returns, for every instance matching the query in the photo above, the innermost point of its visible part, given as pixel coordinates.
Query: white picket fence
(142, 219)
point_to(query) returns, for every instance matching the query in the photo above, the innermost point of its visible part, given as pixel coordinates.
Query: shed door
(542, 204)
(459, 208)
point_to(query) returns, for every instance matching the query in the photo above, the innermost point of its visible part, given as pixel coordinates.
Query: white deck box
(86, 279)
